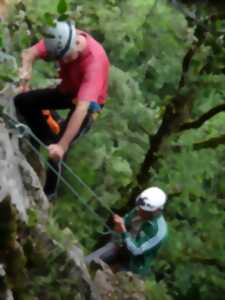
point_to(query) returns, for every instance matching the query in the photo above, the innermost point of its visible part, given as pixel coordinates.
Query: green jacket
(143, 246)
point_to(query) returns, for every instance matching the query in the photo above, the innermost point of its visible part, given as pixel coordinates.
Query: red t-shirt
(87, 76)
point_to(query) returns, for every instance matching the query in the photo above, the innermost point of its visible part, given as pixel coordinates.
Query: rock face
(17, 178)
(33, 265)
(121, 286)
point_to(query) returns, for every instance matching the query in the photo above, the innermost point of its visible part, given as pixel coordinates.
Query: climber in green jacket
(142, 232)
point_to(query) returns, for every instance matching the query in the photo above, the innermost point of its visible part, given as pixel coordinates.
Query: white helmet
(151, 199)
(59, 39)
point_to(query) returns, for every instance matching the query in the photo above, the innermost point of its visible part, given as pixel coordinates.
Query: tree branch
(211, 143)
(174, 115)
(186, 64)
(176, 112)
(205, 117)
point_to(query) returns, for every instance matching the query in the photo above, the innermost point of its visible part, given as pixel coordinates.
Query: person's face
(144, 214)
(147, 214)
(70, 56)
(74, 52)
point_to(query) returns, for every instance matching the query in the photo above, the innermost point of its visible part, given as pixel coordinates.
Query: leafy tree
(163, 125)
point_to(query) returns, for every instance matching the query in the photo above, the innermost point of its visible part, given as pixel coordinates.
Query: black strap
(67, 46)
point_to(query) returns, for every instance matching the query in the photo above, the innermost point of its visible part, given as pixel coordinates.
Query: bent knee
(18, 100)
(22, 102)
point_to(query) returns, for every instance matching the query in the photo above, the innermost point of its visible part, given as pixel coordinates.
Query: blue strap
(94, 107)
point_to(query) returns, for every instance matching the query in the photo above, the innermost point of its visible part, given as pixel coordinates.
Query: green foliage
(8, 69)
(156, 290)
(32, 218)
(62, 7)
(146, 42)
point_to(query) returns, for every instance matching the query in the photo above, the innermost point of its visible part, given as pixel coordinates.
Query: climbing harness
(23, 131)
(51, 121)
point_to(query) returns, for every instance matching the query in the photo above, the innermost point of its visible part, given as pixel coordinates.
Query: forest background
(163, 125)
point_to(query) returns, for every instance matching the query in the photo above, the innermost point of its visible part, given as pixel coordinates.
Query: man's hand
(56, 151)
(119, 224)
(24, 77)
(25, 74)
(23, 86)
(25, 71)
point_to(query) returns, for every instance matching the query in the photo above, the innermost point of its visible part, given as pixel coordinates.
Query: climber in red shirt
(83, 70)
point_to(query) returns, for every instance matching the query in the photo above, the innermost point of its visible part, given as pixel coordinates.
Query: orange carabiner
(52, 123)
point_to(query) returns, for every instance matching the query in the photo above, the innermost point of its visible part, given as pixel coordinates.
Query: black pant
(30, 104)
(115, 256)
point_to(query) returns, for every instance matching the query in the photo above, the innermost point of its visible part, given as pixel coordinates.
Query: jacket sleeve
(150, 239)
(129, 216)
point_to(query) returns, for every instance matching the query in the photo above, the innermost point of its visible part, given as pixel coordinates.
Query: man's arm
(28, 56)
(89, 90)
(149, 240)
(74, 124)
(129, 216)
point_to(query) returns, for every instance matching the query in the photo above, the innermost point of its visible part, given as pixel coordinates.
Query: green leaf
(48, 19)
(62, 7)
(63, 17)
(7, 78)
(32, 218)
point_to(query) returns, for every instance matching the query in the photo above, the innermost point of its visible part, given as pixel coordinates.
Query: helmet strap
(67, 46)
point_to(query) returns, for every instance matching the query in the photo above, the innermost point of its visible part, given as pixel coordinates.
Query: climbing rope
(68, 185)
(72, 173)
(24, 131)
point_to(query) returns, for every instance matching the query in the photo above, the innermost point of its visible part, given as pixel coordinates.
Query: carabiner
(22, 130)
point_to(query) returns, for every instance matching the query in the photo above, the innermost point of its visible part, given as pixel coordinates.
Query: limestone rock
(118, 286)
(33, 265)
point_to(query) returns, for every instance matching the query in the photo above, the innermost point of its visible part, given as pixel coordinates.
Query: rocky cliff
(33, 263)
